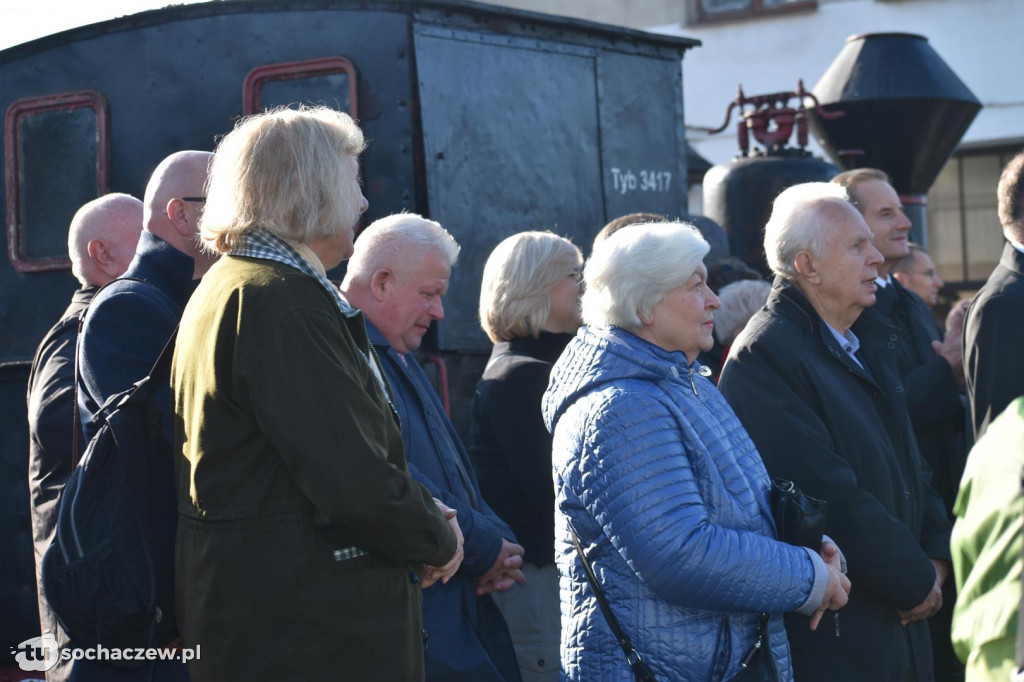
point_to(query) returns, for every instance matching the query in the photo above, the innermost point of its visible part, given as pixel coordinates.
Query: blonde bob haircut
(515, 292)
(630, 272)
(287, 171)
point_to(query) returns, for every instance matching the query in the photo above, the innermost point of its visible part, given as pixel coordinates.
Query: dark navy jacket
(126, 327)
(993, 363)
(933, 400)
(842, 433)
(468, 640)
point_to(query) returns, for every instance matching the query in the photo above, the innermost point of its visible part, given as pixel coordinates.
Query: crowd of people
(611, 515)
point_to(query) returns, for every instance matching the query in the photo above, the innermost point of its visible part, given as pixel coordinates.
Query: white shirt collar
(1019, 247)
(883, 282)
(848, 342)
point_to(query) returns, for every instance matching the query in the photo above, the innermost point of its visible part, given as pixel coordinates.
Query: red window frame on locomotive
(292, 70)
(16, 113)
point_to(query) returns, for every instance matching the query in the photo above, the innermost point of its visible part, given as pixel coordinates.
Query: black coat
(51, 421)
(842, 434)
(993, 335)
(511, 446)
(933, 400)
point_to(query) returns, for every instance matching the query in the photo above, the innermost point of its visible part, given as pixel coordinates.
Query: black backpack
(109, 572)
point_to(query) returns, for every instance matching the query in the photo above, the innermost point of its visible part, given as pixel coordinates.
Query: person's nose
(363, 204)
(712, 302)
(874, 256)
(938, 282)
(436, 310)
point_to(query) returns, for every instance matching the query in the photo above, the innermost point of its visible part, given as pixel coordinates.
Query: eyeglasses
(197, 200)
(577, 276)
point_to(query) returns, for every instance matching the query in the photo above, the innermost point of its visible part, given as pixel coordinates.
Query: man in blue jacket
(129, 322)
(397, 276)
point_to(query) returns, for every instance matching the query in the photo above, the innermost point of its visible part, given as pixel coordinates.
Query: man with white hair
(397, 276)
(101, 243)
(827, 410)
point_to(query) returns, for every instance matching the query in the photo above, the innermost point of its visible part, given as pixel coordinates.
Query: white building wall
(981, 40)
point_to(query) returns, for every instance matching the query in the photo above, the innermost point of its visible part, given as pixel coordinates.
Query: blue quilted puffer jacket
(669, 498)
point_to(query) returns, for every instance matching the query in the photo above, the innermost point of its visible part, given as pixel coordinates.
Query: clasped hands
(505, 574)
(431, 574)
(838, 591)
(933, 602)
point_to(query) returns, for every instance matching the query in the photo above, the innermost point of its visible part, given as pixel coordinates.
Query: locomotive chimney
(905, 113)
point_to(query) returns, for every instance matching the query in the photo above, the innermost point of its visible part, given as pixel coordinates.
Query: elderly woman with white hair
(529, 308)
(659, 483)
(300, 526)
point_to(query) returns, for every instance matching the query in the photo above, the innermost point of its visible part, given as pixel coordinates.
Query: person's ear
(381, 283)
(807, 267)
(178, 217)
(102, 257)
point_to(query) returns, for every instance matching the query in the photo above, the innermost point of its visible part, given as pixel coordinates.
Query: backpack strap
(161, 368)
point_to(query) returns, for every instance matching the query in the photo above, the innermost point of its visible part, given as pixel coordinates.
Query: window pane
(984, 233)
(58, 157)
(712, 6)
(330, 90)
(768, 4)
(944, 228)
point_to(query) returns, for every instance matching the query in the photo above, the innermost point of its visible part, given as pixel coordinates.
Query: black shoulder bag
(799, 518)
(640, 670)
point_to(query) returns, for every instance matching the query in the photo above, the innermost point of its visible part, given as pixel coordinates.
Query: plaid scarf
(266, 246)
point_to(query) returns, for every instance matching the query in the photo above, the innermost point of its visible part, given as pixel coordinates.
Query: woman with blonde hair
(300, 525)
(529, 308)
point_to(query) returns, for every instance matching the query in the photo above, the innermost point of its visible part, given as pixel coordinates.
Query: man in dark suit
(994, 330)
(930, 368)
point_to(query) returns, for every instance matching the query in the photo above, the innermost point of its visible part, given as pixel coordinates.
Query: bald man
(129, 323)
(101, 243)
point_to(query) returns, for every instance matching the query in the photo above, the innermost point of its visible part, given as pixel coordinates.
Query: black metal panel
(510, 136)
(178, 85)
(17, 567)
(643, 148)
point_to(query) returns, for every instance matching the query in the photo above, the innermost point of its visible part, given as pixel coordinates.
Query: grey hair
(393, 241)
(515, 290)
(797, 224)
(630, 272)
(286, 171)
(739, 301)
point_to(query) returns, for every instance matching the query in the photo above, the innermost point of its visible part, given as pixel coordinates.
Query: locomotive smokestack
(906, 111)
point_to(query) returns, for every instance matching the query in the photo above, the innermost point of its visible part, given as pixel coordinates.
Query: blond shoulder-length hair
(288, 171)
(515, 292)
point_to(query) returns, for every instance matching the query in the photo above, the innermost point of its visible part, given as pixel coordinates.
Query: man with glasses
(917, 273)
(130, 321)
